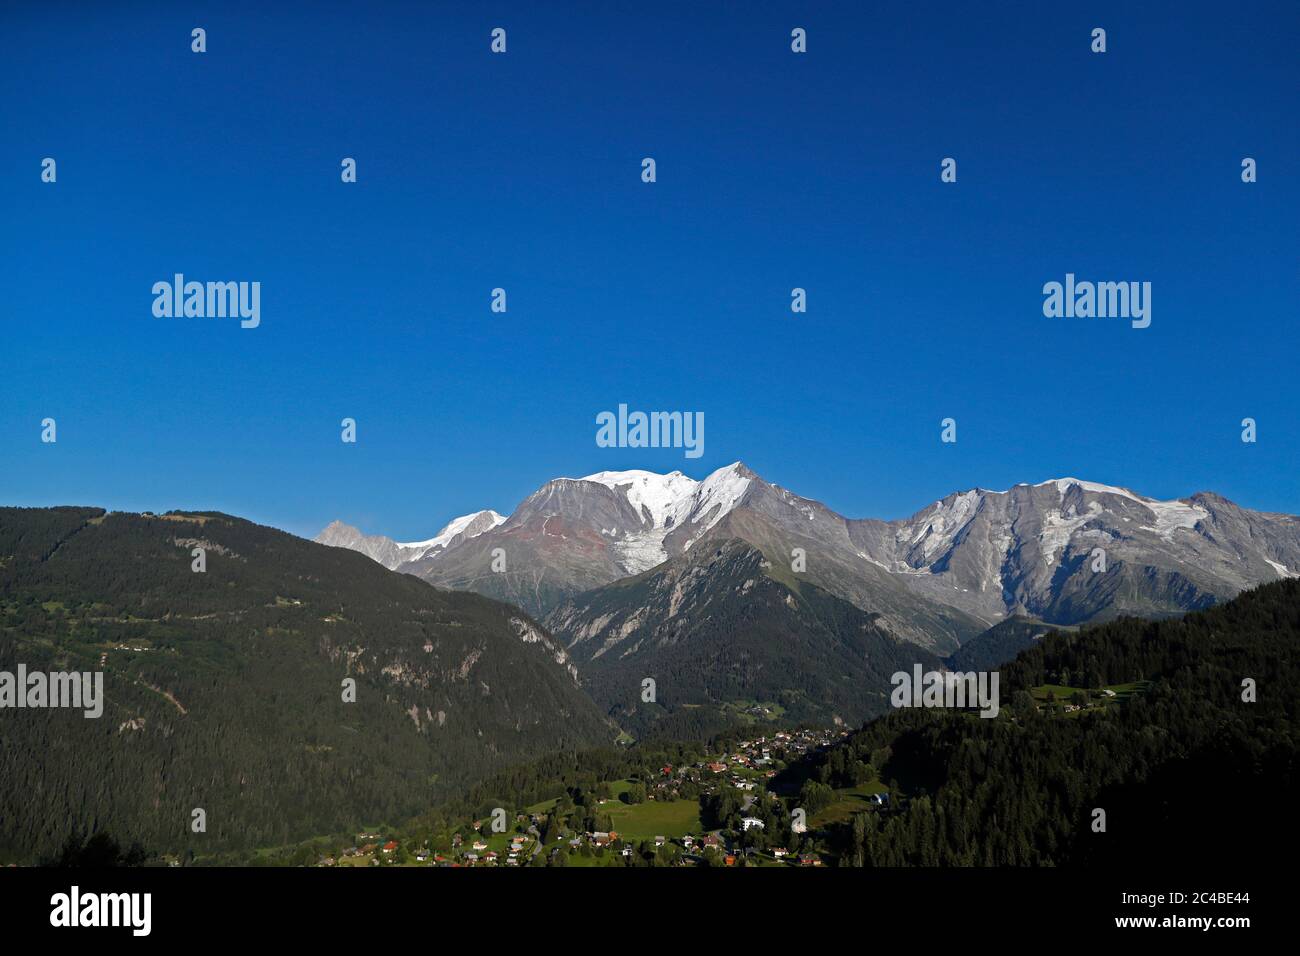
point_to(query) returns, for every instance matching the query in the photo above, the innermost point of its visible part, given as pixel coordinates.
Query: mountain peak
(969, 559)
(474, 523)
(1064, 484)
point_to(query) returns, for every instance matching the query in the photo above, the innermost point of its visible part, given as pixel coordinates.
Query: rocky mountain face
(574, 534)
(1068, 551)
(719, 628)
(804, 540)
(392, 554)
(1063, 551)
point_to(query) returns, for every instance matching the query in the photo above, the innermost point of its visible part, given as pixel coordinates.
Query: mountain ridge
(945, 573)
(226, 688)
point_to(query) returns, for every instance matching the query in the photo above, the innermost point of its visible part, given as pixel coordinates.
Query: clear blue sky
(523, 171)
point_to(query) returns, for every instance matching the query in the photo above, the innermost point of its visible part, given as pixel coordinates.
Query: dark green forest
(999, 644)
(1186, 771)
(224, 688)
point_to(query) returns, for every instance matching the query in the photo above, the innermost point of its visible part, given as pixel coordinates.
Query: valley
(685, 715)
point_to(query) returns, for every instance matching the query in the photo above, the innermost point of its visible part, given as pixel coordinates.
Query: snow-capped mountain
(392, 554)
(1041, 549)
(937, 578)
(669, 504)
(464, 527)
(573, 534)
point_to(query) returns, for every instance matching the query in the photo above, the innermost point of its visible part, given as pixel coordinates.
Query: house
(730, 860)
(711, 840)
(600, 838)
(809, 860)
(480, 846)
(717, 767)
(390, 846)
(660, 841)
(749, 823)
(421, 855)
(780, 852)
(880, 799)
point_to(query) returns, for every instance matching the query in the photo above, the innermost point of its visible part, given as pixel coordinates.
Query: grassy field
(1125, 691)
(546, 806)
(1058, 692)
(644, 821)
(619, 787)
(744, 711)
(610, 858)
(848, 801)
(1061, 692)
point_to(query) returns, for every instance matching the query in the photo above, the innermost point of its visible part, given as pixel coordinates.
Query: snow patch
(669, 501)
(1058, 527)
(659, 496)
(1063, 485)
(1172, 515)
(1282, 571)
(453, 528)
(722, 491)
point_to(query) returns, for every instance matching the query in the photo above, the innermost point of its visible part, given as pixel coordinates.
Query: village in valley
(722, 810)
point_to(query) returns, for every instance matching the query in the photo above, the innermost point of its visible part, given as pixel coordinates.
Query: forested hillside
(723, 638)
(999, 644)
(224, 688)
(1185, 770)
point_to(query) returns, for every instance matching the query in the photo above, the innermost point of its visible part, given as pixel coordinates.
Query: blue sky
(522, 171)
